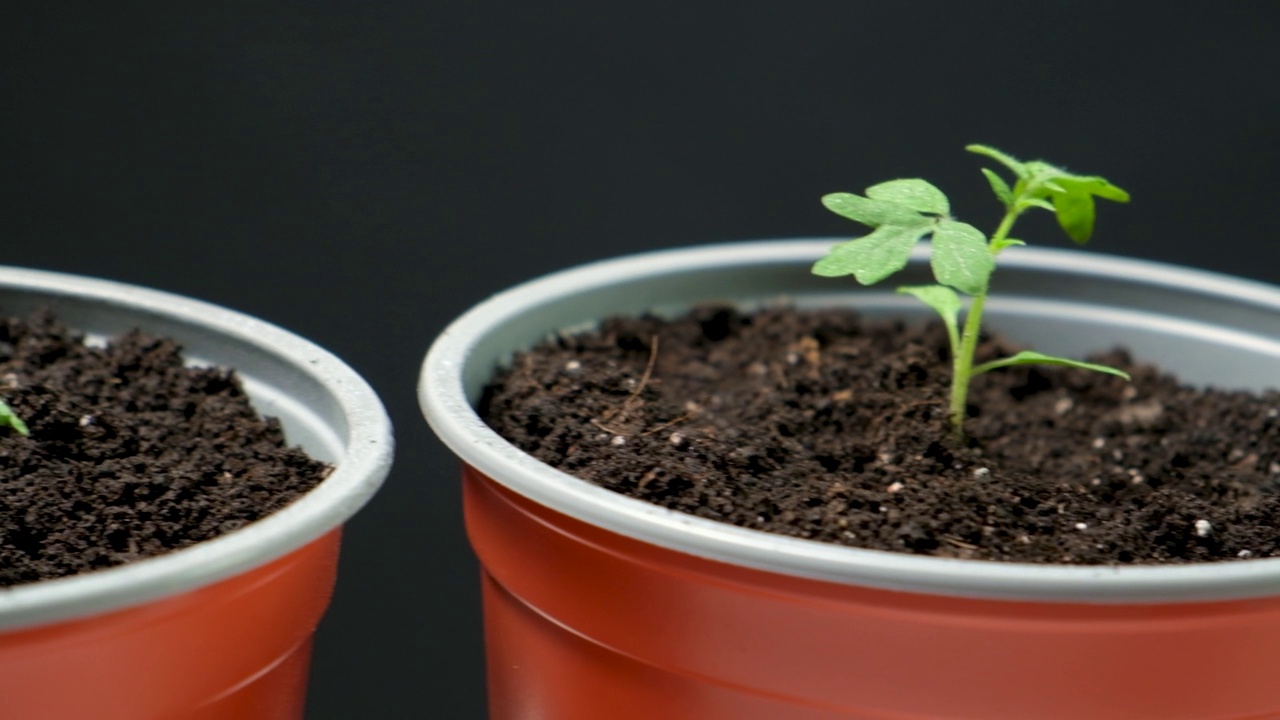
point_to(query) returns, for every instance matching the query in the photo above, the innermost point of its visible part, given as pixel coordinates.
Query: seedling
(10, 418)
(903, 212)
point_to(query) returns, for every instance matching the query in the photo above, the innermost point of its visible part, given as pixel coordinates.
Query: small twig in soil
(667, 424)
(958, 542)
(648, 477)
(620, 414)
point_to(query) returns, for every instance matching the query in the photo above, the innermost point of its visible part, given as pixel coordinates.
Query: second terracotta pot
(602, 606)
(220, 630)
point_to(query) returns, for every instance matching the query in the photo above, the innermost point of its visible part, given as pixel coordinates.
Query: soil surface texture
(816, 424)
(131, 454)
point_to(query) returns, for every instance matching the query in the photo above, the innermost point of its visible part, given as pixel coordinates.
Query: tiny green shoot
(10, 418)
(903, 212)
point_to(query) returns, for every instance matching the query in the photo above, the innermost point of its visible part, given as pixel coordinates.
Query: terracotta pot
(222, 629)
(601, 606)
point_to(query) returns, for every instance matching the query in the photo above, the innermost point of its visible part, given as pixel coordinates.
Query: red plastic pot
(601, 606)
(221, 630)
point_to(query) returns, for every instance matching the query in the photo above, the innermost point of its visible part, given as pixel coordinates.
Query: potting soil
(820, 425)
(131, 454)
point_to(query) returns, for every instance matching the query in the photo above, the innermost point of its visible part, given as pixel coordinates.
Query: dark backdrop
(362, 172)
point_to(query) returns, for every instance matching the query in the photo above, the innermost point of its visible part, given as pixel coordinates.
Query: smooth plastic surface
(234, 650)
(583, 624)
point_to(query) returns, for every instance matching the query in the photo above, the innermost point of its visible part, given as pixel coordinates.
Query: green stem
(962, 362)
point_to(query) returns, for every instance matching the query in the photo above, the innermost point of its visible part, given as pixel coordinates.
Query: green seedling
(903, 212)
(10, 418)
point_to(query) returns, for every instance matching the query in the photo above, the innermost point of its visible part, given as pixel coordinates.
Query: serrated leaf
(871, 212)
(947, 304)
(874, 257)
(1019, 169)
(999, 186)
(1028, 357)
(960, 257)
(10, 418)
(914, 193)
(1075, 214)
(998, 245)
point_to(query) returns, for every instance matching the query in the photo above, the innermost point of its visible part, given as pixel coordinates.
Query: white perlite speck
(1244, 554)
(1082, 526)
(676, 439)
(895, 487)
(572, 366)
(618, 440)
(982, 472)
(1203, 528)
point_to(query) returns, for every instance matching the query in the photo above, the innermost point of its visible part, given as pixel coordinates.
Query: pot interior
(310, 414)
(1207, 329)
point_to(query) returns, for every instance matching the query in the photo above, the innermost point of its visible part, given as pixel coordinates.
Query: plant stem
(962, 362)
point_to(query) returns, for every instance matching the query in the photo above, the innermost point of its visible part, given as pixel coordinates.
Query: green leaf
(1037, 202)
(871, 212)
(1099, 187)
(1028, 357)
(916, 194)
(960, 257)
(10, 418)
(1040, 171)
(999, 186)
(1075, 215)
(1019, 169)
(1044, 179)
(1091, 185)
(874, 257)
(944, 300)
(1074, 206)
(998, 245)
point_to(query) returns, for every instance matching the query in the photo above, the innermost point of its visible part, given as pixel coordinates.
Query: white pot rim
(362, 443)
(443, 395)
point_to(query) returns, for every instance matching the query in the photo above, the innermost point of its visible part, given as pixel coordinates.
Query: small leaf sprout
(9, 418)
(903, 212)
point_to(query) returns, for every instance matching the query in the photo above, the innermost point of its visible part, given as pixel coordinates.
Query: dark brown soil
(821, 426)
(130, 454)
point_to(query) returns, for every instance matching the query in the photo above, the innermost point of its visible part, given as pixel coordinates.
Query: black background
(361, 173)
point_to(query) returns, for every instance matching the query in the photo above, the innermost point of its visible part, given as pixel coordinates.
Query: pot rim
(365, 461)
(443, 399)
